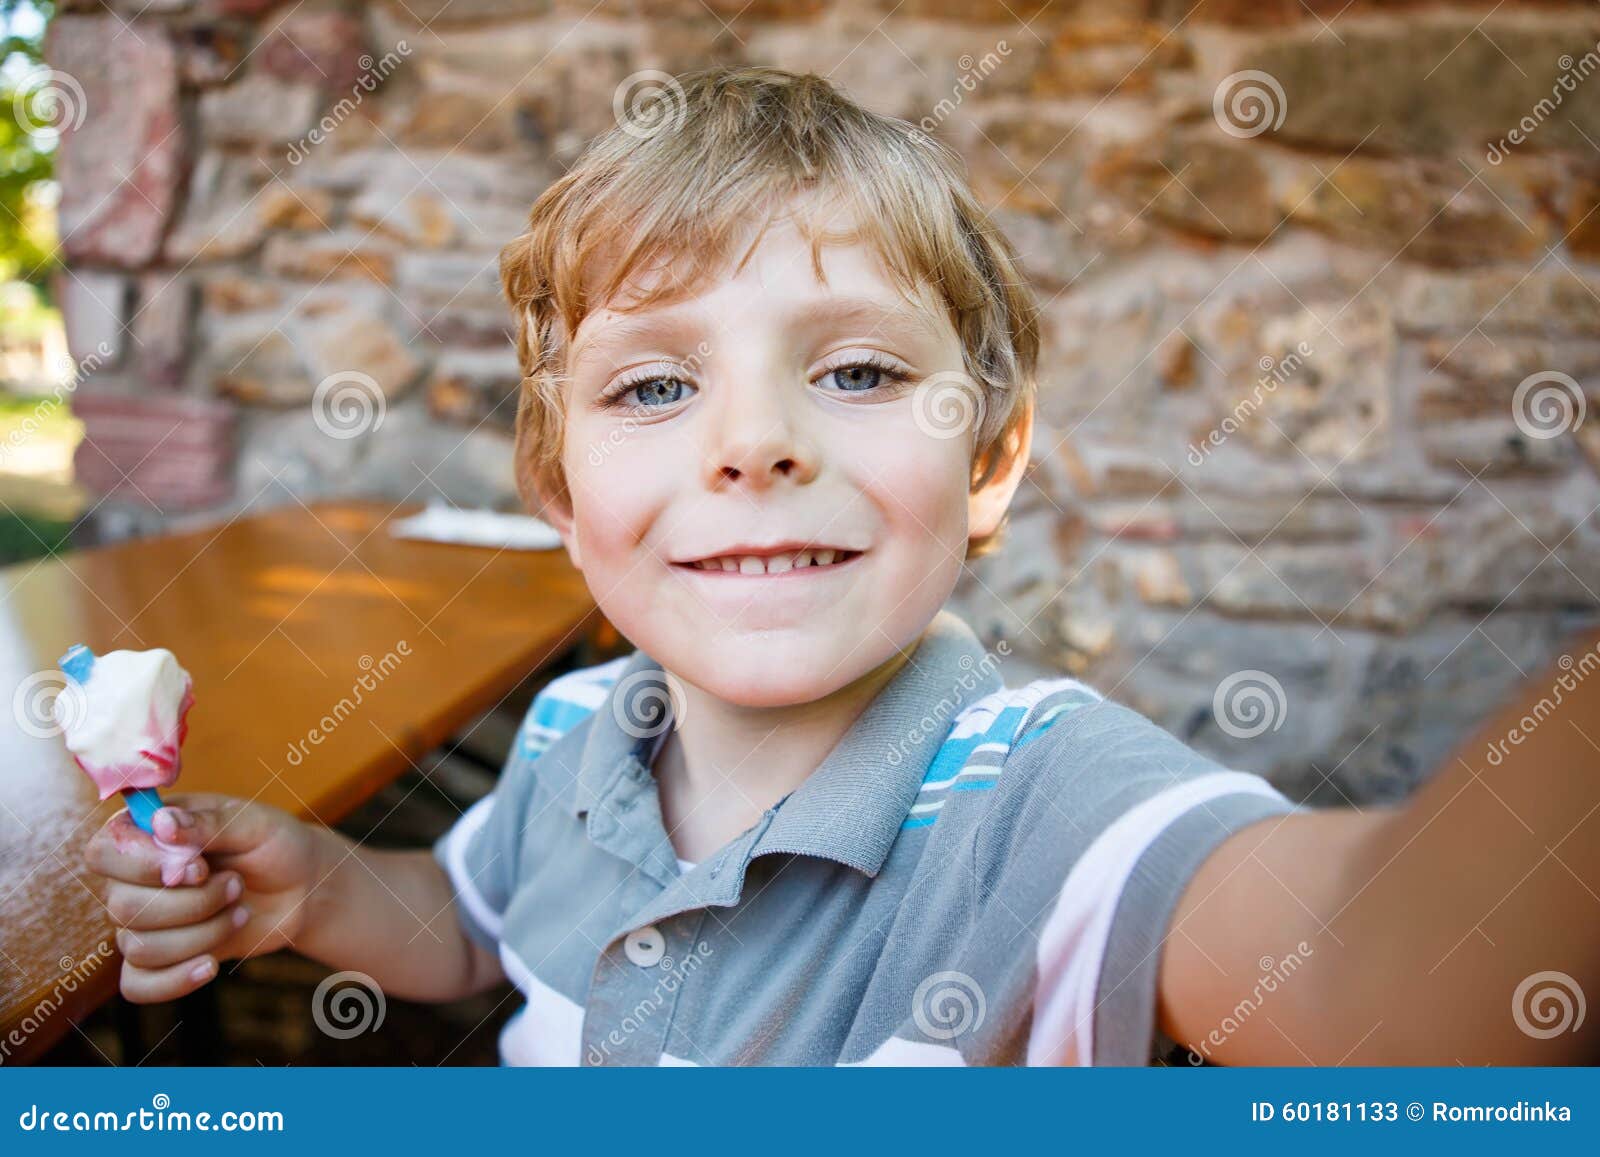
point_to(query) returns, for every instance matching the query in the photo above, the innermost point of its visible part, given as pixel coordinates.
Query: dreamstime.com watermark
(972, 672)
(973, 71)
(46, 101)
(1249, 703)
(601, 450)
(1547, 404)
(1573, 73)
(47, 406)
(1273, 374)
(376, 671)
(347, 404)
(347, 1004)
(160, 1117)
(1548, 1004)
(373, 73)
(1249, 103)
(649, 102)
(1573, 672)
(672, 975)
(647, 703)
(74, 973)
(1274, 973)
(948, 1004)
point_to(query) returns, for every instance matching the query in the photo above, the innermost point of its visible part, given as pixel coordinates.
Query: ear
(987, 504)
(557, 511)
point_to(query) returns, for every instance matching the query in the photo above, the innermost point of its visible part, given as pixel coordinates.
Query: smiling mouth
(774, 562)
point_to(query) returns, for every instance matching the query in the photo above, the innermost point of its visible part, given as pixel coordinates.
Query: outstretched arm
(1405, 935)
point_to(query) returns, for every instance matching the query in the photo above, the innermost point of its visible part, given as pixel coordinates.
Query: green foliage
(27, 156)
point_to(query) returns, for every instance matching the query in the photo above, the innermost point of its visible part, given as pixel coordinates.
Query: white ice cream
(125, 722)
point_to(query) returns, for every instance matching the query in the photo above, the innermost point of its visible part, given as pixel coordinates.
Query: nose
(757, 439)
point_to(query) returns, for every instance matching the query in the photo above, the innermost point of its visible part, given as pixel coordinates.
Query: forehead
(776, 277)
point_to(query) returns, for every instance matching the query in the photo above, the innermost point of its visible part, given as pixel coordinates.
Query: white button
(645, 946)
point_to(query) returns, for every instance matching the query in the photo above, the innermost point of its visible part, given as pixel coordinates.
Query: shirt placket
(657, 951)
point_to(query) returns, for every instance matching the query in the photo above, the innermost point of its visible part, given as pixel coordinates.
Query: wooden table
(298, 623)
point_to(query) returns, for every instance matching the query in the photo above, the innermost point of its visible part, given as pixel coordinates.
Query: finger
(147, 986)
(121, 851)
(148, 909)
(212, 823)
(155, 950)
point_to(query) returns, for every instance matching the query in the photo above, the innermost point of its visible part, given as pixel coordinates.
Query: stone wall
(1318, 279)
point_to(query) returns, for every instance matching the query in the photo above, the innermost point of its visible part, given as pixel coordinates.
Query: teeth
(776, 564)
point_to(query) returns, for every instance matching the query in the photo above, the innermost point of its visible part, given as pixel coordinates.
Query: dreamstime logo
(1548, 1004)
(48, 101)
(971, 73)
(347, 404)
(617, 435)
(373, 673)
(46, 703)
(973, 672)
(1249, 103)
(1573, 73)
(670, 976)
(373, 73)
(648, 103)
(46, 407)
(348, 1004)
(947, 405)
(948, 1004)
(646, 703)
(1547, 404)
(74, 973)
(1274, 372)
(1248, 703)
(1275, 972)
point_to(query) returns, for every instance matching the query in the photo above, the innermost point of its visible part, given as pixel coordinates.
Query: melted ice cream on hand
(124, 716)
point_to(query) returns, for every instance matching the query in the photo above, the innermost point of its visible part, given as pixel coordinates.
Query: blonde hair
(669, 194)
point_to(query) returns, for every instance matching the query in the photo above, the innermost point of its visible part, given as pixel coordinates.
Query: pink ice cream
(124, 716)
(126, 722)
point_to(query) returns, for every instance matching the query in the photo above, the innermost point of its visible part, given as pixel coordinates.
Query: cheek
(920, 484)
(615, 488)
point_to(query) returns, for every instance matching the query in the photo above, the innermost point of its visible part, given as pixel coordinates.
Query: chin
(781, 671)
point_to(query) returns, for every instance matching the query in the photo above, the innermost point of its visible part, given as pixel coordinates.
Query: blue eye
(857, 377)
(861, 377)
(657, 392)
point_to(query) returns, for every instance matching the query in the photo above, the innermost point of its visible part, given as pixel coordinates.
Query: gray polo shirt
(975, 875)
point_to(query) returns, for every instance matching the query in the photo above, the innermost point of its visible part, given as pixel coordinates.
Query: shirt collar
(850, 809)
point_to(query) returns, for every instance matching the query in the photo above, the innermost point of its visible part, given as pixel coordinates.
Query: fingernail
(191, 874)
(241, 916)
(202, 971)
(185, 820)
(234, 889)
(165, 824)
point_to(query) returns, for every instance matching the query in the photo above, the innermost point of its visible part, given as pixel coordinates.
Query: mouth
(771, 561)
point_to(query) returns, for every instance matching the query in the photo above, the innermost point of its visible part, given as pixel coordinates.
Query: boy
(778, 379)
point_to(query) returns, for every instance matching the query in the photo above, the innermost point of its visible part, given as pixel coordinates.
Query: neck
(728, 763)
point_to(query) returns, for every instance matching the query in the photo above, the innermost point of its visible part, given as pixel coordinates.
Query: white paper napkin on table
(440, 523)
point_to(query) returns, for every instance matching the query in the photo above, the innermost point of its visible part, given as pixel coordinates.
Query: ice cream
(124, 717)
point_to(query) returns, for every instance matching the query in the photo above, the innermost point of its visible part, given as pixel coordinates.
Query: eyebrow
(865, 311)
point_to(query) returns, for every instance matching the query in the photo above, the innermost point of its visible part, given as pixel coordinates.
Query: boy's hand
(246, 896)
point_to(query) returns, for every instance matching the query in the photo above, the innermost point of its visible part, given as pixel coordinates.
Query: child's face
(715, 444)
